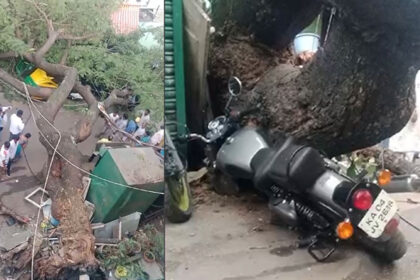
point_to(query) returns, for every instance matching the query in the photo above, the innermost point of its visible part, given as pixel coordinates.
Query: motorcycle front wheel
(178, 199)
(386, 251)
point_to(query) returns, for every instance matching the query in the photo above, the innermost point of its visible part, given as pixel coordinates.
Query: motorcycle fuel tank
(235, 155)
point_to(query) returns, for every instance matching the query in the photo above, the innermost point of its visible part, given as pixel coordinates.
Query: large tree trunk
(358, 90)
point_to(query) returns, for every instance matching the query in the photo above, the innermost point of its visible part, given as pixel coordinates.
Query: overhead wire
(28, 98)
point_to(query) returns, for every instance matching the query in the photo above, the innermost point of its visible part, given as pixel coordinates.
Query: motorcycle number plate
(379, 214)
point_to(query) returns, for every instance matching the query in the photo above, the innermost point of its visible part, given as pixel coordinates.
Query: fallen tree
(35, 27)
(359, 88)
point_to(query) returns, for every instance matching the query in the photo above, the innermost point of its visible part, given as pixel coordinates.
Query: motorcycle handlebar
(193, 136)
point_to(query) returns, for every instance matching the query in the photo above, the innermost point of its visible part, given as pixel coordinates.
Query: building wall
(126, 19)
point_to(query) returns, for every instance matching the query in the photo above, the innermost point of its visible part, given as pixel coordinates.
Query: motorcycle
(304, 188)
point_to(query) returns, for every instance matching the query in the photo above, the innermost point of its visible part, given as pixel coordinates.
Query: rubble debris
(107, 241)
(13, 236)
(6, 211)
(196, 175)
(91, 208)
(86, 185)
(97, 225)
(35, 192)
(134, 252)
(129, 225)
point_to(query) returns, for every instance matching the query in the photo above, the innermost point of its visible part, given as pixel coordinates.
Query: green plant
(125, 256)
(357, 162)
(157, 241)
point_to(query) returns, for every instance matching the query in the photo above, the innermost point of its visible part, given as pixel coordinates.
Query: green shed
(138, 168)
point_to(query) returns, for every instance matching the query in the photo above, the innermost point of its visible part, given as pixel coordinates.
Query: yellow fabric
(104, 140)
(41, 78)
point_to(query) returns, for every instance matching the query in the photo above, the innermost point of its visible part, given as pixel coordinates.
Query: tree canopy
(103, 59)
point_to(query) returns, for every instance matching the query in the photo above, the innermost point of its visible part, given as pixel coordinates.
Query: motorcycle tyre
(386, 251)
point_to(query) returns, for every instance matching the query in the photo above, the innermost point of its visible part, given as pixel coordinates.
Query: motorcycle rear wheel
(178, 199)
(386, 251)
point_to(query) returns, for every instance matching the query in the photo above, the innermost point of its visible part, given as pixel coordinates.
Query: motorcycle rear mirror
(234, 86)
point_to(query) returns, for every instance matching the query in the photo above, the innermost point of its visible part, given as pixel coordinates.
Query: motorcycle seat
(291, 165)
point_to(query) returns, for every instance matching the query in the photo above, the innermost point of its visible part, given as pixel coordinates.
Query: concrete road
(232, 239)
(22, 182)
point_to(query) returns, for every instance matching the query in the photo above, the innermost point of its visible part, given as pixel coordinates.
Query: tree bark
(358, 90)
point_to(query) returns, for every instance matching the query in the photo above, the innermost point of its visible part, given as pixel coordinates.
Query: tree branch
(40, 53)
(8, 55)
(43, 93)
(42, 14)
(83, 128)
(63, 59)
(74, 37)
(56, 101)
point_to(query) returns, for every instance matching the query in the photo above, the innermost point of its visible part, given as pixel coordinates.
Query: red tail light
(362, 199)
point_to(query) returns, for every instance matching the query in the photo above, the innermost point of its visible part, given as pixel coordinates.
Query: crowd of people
(138, 127)
(11, 149)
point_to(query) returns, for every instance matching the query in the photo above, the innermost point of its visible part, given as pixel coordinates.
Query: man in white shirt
(140, 132)
(3, 117)
(157, 137)
(145, 118)
(4, 155)
(12, 153)
(108, 129)
(16, 124)
(122, 122)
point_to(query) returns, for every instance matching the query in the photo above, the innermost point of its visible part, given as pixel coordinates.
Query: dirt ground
(231, 238)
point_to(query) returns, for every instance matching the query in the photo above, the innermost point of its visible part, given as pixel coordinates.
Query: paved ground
(232, 239)
(14, 189)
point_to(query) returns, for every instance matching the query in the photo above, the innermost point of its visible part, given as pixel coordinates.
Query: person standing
(157, 138)
(145, 118)
(122, 122)
(23, 141)
(4, 155)
(16, 124)
(140, 131)
(131, 127)
(146, 137)
(3, 117)
(109, 129)
(12, 153)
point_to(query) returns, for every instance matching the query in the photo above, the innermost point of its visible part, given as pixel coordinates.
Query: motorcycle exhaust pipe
(403, 183)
